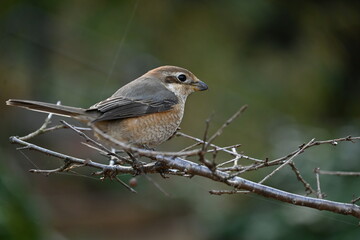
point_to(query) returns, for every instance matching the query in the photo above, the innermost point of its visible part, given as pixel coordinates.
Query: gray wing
(138, 98)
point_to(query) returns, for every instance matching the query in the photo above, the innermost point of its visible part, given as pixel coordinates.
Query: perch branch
(173, 163)
(338, 173)
(266, 191)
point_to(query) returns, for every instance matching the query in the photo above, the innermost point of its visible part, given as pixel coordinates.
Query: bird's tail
(48, 108)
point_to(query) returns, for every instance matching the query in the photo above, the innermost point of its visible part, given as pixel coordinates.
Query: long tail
(49, 108)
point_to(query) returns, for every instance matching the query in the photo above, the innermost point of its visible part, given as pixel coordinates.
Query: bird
(143, 113)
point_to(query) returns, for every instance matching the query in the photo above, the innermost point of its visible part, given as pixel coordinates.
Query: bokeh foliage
(296, 63)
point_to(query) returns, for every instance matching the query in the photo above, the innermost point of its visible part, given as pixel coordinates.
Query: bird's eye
(182, 77)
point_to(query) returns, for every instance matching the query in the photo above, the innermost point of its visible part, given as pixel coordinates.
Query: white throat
(178, 90)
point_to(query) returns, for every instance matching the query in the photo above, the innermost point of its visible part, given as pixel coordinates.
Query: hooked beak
(200, 86)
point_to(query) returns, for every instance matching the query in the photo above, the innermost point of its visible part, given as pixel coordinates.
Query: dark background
(296, 63)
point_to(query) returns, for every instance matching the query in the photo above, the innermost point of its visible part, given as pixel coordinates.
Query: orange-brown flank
(145, 131)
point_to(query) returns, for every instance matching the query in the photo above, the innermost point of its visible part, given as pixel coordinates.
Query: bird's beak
(200, 86)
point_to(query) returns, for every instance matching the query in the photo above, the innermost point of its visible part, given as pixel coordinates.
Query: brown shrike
(143, 113)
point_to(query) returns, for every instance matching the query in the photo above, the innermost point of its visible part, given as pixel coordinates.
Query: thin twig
(211, 165)
(141, 151)
(355, 200)
(172, 163)
(261, 164)
(318, 192)
(339, 173)
(287, 161)
(99, 145)
(115, 168)
(308, 188)
(230, 120)
(266, 191)
(125, 185)
(191, 168)
(207, 125)
(190, 147)
(236, 158)
(63, 168)
(333, 142)
(230, 192)
(224, 149)
(41, 129)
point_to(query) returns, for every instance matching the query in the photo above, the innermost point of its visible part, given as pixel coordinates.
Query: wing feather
(138, 98)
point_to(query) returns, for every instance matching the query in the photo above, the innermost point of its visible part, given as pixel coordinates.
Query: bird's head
(179, 80)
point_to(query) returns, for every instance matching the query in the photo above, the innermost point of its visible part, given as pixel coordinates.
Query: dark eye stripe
(171, 79)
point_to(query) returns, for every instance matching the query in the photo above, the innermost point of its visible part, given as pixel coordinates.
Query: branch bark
(192, 168)
(266, 191)
(174, 163)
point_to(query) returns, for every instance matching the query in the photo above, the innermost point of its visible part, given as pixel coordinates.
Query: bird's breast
(146, 131)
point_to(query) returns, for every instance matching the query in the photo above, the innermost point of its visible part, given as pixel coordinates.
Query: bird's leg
(161, 168)
(136, 164)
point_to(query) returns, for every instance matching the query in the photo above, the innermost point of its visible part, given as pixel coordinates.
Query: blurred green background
(296, 63)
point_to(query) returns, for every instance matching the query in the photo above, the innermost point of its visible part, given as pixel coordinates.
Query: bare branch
(229, 192)
(30, 146)
(230, 120)
(355, 200)
(287, 161)
(338, 173)
(173, 163)
(100, 146)
(307, 185)
(63, 168)
(266, 191)
(224, 149)
(125, 185)
(141, 151)
(318, 192)
(41, 129)
(333, 142)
